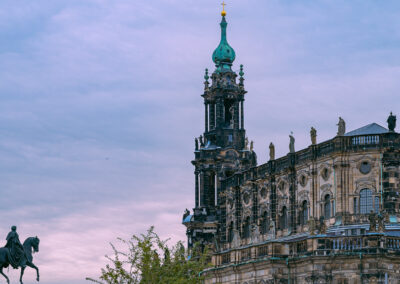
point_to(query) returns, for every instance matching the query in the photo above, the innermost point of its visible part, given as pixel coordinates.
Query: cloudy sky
(100, 103)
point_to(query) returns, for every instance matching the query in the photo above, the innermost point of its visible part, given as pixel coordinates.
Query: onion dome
(224, 55)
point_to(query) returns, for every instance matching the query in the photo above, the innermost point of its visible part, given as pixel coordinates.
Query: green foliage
(149, 260)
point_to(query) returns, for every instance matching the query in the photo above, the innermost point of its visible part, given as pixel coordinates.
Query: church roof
(372, 128)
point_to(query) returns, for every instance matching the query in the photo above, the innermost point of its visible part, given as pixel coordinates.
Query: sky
(100, 103)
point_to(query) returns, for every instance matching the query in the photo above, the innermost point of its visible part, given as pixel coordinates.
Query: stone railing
(311, 246)
(335, 145)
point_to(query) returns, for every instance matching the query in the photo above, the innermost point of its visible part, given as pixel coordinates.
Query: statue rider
(15, 247)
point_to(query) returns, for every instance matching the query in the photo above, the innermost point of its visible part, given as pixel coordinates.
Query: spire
(224, 55)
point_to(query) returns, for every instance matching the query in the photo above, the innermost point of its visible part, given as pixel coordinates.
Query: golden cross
(223, 5)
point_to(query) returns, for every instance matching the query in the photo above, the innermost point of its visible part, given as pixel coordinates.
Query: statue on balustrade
(271, 151)
(201, 141)
(291, 143)
(372, 221)
(341, 127)
(391, 122)
(313, 134)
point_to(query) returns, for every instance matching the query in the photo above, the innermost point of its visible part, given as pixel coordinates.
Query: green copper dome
(224, 55)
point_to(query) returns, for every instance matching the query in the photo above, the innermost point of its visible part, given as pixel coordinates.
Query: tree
(149, 260)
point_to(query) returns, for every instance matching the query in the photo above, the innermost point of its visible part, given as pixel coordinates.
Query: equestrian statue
(18, 255)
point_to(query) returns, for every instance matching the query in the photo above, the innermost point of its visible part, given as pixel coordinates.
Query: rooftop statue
(271, 151)
(246, 143)
(391, 122)
(313, 134)
(196, 144)
(17, 254)
(291, 143)
(251, 146)
(341, 127)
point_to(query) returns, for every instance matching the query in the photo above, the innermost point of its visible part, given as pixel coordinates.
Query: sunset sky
(100, 104)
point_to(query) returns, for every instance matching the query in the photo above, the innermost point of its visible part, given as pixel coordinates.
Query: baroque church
(328, 213)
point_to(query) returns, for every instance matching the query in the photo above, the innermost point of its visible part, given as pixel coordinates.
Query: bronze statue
(341, 127)
(271, 151)
(391, 122)
(291, 144)
(313, 134)
(17, 254)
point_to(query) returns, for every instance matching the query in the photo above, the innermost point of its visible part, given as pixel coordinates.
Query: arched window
(327, 206)
(304, 213)
(265, 223)
(246, 228)
(230, 232)
(284, 219)
(365, 201)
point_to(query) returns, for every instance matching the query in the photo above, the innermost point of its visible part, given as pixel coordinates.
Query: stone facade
(325, 214)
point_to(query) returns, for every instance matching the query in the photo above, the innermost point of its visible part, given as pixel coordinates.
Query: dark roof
(372, 128)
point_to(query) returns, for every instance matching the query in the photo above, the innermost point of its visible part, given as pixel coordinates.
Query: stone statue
(391, 122)
(17, 254)
(251, 146)
(322, 226)
(196, 144)
(381, 223)
(201, 141)
(271, 151)
(341, 127)
(232, 111)
(187, 213)
(291, 144)
(372, 222)
(246, 143)
(313, 134)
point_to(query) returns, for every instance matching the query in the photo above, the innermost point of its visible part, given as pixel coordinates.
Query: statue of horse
(31, 245)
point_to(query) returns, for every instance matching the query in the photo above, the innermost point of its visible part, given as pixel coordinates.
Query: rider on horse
(16, 250)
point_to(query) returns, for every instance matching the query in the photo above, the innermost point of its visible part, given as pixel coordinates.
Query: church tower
(223, 149)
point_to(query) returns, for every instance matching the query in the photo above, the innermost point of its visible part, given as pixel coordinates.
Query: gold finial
(223, 13)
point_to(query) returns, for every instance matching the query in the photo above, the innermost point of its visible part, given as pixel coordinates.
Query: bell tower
(222, 149)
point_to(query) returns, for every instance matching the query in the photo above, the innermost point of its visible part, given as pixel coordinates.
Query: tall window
(327, 206)
(304, 213)
(230, 232)
(246, 228)
(376, 205)
(284, 219)
(265, 223)
(365, 201)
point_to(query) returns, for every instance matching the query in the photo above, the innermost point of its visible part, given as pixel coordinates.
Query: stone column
(206, 116)
(236, 116)
(196, 174)
(242, 115)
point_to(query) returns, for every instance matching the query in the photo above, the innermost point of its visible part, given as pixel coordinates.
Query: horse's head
(32, 243)
(35, 244)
